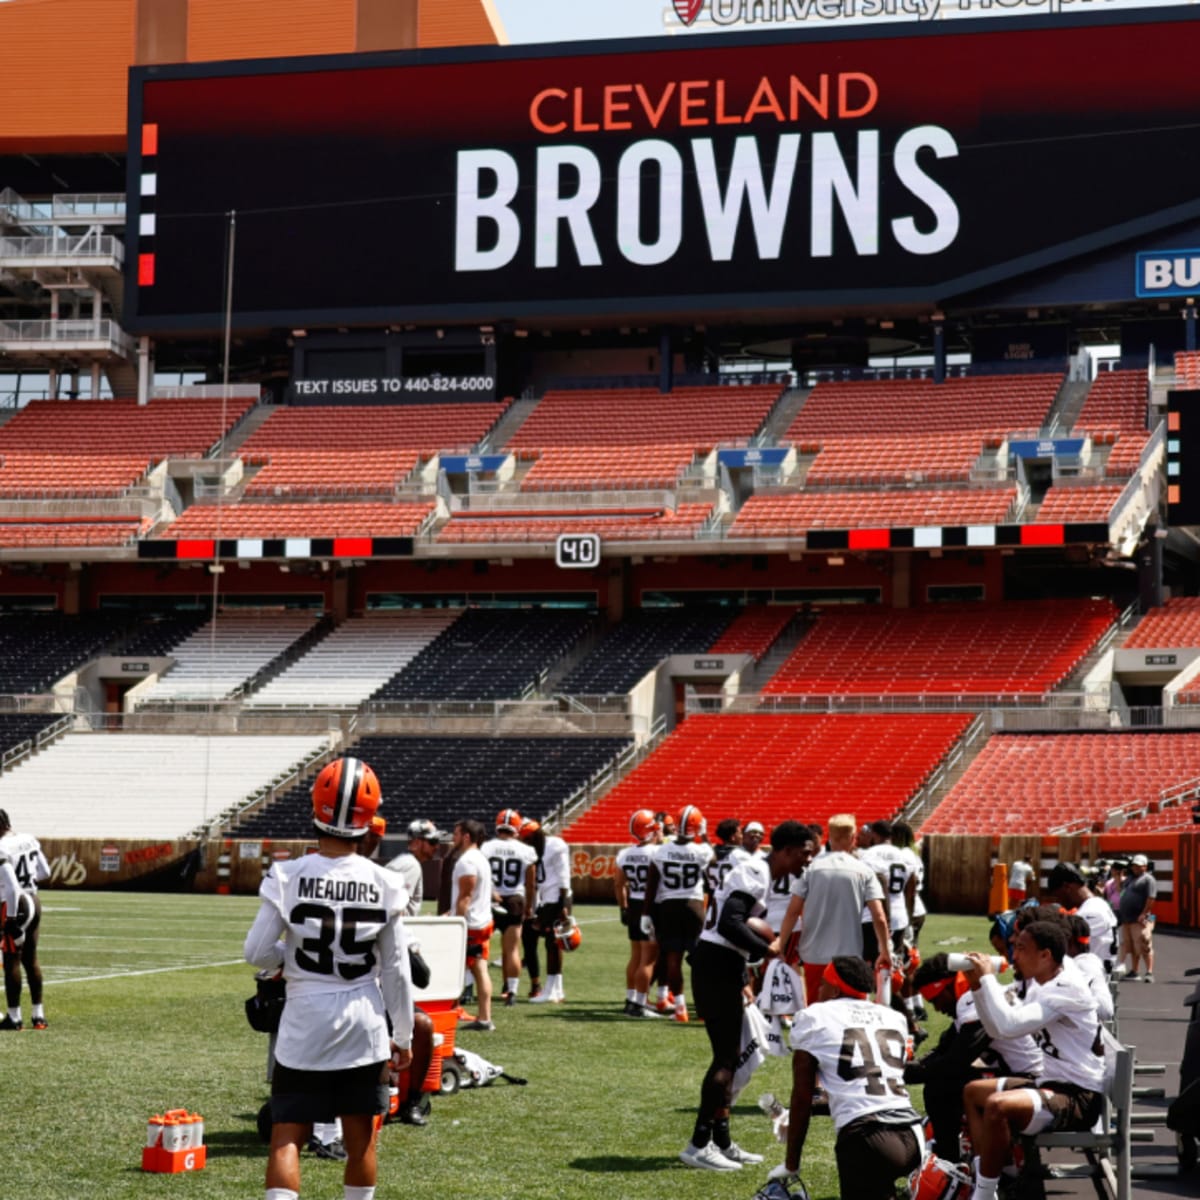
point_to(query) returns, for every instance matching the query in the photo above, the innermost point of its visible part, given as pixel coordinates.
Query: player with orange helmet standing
(552, 910)
(629, 884)
(514, 869)
(345, 960)
(676, 885)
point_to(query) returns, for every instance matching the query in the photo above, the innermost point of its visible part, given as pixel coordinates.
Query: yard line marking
(233, 962)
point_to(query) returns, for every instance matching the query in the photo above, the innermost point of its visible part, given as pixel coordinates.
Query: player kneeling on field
(859, 1048)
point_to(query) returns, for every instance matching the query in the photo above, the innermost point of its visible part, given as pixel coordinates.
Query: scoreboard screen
(767, 171)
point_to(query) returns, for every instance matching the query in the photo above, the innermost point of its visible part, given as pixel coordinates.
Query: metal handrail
(89, 245)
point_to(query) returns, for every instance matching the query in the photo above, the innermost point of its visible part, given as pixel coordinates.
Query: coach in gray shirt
(831, 895)
(1135, 910)
(424, 837)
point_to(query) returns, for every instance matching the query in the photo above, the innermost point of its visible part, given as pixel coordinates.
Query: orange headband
(833, 978)
(930, 990)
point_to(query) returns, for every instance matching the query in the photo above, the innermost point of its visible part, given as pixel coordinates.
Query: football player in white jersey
(629, 887)
(726, 944)
(898, 878)
(334, 921)
(471, 892)
(964, 1052)
(676, 886)
(29, 865)
(1066, 884)
(514, 885)
(553, 907)
(1060, 1012)
(858, 1049)
(780, 895)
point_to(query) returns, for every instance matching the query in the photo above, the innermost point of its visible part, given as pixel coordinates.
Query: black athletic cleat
(9, 1023)
(332, 1150)
(40, 1023)
(412, 1112)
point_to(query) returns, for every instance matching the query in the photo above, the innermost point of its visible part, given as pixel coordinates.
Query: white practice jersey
(896, 867)
(344, 959)
(724, 859)
(471, 864)
(751, 876)
(779, 896)
(1102, 923)
(1061, 1015)
(10, 890)
(1092, 969)
(508, 859)
(634, 863)
(1021, 1053)
(24, 851)
(554, 872)
(918, 867)
(861, 1049)
(681, 870)
(1018, 875)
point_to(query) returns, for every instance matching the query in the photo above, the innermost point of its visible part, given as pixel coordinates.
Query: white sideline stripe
(232, 962)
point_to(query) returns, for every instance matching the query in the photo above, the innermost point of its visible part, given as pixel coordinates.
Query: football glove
(646, 926)
(14, 932)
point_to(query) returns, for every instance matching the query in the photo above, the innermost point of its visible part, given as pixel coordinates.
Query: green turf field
(144, 998)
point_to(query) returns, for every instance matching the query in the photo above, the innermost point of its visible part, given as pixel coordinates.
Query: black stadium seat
(447, 778)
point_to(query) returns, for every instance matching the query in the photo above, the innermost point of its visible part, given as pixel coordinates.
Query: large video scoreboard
(773, 172)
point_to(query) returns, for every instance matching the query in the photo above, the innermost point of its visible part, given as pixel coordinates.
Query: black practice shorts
(633, 920)
(718, 976)
(678, 924)
(872, 1155)
(302, 1097)
(1074, 1108)
(513, 914)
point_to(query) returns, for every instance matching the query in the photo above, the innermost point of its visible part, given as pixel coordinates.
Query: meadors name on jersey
(339, 891)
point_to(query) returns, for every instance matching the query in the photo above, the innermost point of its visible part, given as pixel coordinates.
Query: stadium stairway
(508, 424)
(1068, 404)
(780, 418)
(256, 417)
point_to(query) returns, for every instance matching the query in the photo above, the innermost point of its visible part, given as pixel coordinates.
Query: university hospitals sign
(519, 22)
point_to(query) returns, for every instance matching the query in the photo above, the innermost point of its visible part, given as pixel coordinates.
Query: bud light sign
(1168, 273)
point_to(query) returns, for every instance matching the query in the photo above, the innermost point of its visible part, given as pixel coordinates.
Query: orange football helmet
(508, 820)
(938, 1179)
(642, 825)
(567, 934)
(528, 828)
(345, 796)
(692, 823)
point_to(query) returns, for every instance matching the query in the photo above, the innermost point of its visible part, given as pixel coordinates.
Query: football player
(513, 865)
(726, 944)
(334, 921)
(897, 876)
(629, 886)
(964, 1052)
(859, 1048)
(471, 888)
(1059, 1010)
(676, 885)
(553, 906)
(29, 864)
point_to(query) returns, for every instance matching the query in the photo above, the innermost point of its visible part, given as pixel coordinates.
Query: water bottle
(960, 962)
(883, 986)
(777, 1114)
(154, 1131)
